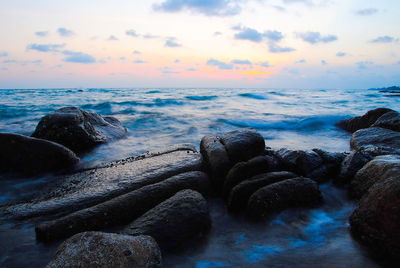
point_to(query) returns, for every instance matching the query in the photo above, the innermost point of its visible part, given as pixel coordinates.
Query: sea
(158, 117)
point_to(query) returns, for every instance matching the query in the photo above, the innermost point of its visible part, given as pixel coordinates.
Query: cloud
(131, 33)
(279, 8)
(3, 54)
(122, 58)
(341, 54)
(324, 62)
(221, 65)
(191, 69)
(149, 36)
(207, 7)
(300, 61)
(177, 61)
(139, 61)
(384, 39)
(42, 33)
(241, 62)
(264, 64)
(23, 62)
(275, 48)
(273, 36)
(65, 32)
(46, 47)
(308, 2)
(248, 34)
(171, 43)
(362, 65)
(78, 57)
(217, 33)
(137, 52)
(367, 11)
(316, 37)
(112, 38)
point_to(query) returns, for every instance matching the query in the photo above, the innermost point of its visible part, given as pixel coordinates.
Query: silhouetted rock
(351, 164)
(77, 129)
(290, 193)
(378, 169)
(174, 221)
(376, 141)
(105, 250)
(30, 156)
(324, 172)
(390, 120)
(241, 193)
(329, 157)
(365, 121)
(300, 162)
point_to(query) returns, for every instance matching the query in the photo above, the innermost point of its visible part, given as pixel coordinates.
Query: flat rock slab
(376, 141)
(105, 250)
(94, 186)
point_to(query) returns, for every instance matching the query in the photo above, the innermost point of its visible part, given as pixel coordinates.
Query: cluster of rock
(158, 198)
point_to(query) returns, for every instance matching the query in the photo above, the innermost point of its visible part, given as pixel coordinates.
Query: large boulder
(290, 193)
(379, 168)
(376, 222)
(390, 120)
(106, 250)
(30, 156)
(376, 140)
(241, 193)
(174, 221)
(365, 121)
(351, 164)
(122, 209)
(298, 161)
(77, 129)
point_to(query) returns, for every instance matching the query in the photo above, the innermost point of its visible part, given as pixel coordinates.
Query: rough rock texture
(376, 141)
(365, 121)
(376, 222)
(300, 162)
(244, 170)
(241, 193)
(90, 187)
(243, 144)
(290, 193)
(105, 250)
(29, 156)
(381, 167)
(351, 164)
(174, 221)
(390, 120)
(122, 209)
(329, 157)
(78, 129)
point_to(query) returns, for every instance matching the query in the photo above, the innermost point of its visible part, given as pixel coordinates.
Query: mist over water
(155, 118)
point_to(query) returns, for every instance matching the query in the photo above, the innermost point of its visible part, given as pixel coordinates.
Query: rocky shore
(159, 199)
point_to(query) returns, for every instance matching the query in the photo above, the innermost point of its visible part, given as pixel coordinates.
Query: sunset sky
(194, 43)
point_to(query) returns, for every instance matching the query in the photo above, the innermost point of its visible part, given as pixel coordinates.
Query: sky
(199, 43)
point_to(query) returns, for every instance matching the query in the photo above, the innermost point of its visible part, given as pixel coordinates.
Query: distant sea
(155, 118)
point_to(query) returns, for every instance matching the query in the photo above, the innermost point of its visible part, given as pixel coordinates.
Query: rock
(290, 193)
(300, 162)
(122, 209)
(324, 172)
(244, 170)
(376, 141)
(30, 156)
(329, 157)
(241, 193)
(216, 159)
(77, 129)
(95, 249)
(351, 164)
(379, 168)
(91, 187)
(243, 144)
(365, 121)
(390, 120)
(174, 221)
(376, 222)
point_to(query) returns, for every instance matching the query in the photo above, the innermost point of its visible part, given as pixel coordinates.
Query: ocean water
(155, 118)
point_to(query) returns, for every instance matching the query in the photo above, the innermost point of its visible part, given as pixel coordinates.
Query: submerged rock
(376, 140)
(106, 250)
(77, 129)
(351, 164)
(390, 120)
(30, 156)
(290, 193)
(365, 121)
(174, 221)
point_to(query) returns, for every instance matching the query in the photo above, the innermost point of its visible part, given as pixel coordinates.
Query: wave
(201, 98)
(253, 96)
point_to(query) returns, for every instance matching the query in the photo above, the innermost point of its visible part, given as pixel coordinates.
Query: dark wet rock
(390, 120)
(122, 209)
(30, 156)
(90, 187)
(376, 222)
(329, 157)
(290, 193)
(178, 219)
(244, 170)
(365, 121)
(351, 165)
(379, 168)
(376, 141)
(106, 250)
(77, 129)
(298, 161)
(324, 172)
(216, 159)
(243, 144)
(241, 193)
